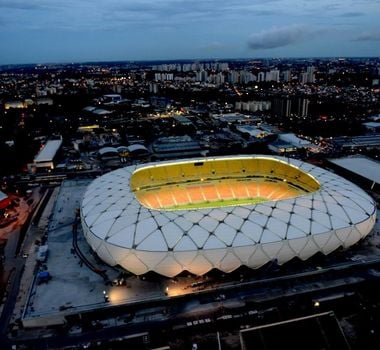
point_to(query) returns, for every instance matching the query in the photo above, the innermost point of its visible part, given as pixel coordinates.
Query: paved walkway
(30, 247)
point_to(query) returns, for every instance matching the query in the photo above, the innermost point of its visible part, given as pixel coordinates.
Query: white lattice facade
(139, 238)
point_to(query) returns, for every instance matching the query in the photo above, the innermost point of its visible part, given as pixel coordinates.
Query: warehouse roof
(366, 167)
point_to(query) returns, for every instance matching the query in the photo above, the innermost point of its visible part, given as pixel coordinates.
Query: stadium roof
(48, 152)
(365, 167)
(124, 232)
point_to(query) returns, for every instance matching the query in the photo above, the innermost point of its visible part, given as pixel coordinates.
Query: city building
(252, 106)
(261, 77)
(45, 158)
(303, 107)
(354, 143)
(252, 131)
(15, 104)
(273, 75)
(112, 99)
(287, 76)
(365, 170)
(282, 107)
(235, 118)
(108, 153)
(281, 147)
(310, 74)
(177, 147)
(372, 127)
(293, 140)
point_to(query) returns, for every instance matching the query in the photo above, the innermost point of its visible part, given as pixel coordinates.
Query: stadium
(196, 215)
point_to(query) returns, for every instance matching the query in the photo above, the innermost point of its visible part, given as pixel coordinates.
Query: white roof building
(293, 140)
(372, 126)
(137, 147)
(45, 158)
(363, 166)
(108, 151)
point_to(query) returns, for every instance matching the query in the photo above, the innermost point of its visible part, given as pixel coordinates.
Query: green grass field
(219, 204)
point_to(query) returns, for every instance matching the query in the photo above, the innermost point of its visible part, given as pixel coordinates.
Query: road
(16, 264)
(180, 310)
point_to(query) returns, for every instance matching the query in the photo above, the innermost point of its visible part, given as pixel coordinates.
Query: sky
(54, 31)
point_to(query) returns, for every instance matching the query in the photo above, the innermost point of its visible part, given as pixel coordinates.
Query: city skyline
(44, 31)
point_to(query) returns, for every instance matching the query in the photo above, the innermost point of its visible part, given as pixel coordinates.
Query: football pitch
(218, 204)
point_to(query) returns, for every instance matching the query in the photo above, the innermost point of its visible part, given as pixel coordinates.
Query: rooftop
(49, 151)
(366, 167)
(293, 140)
(357, 141)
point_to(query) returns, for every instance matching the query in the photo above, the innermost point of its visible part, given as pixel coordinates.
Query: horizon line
(186, 59)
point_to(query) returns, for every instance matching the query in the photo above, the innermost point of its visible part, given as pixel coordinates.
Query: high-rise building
(282, 107)
(275, 75)
(233, 77)
(310, 74)
(261, 77)
(303, 107)
(272, 75)
(223, 66)
(219, 78)
(252, 106)
(201, 76)
(163, 76)
(186, 67)
(246, 77)
(287, 75)
(303, 78)
(153, 88)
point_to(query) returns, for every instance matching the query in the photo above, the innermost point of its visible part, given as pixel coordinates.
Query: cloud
(352, 14)
(368, 36)
(192, 11)
(280, 37)
(120, 14)
(22, 4)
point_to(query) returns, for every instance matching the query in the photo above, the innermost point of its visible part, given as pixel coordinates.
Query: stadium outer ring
(123, 232)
